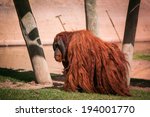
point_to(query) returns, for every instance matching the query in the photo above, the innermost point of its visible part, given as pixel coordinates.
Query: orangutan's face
(59, 50)
(58, 55)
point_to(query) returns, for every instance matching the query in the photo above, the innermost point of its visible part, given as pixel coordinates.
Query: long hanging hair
(92, 65)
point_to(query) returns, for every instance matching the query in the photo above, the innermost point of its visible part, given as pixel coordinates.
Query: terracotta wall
(72, 12)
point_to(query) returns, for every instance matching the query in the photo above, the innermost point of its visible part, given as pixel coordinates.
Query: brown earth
(57, 84)
(29, 85)
(141, 69)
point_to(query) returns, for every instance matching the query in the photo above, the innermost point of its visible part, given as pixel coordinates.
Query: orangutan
(90, 64)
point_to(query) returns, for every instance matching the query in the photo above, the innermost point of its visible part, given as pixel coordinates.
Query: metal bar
(113, 26)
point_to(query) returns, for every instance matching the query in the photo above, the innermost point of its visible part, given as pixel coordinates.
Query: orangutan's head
(60, 45)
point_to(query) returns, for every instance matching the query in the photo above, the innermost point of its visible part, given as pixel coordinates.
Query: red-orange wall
(72, 12)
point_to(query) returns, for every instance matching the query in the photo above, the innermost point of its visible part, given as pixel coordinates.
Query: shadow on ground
(17, 75)
(28, 76)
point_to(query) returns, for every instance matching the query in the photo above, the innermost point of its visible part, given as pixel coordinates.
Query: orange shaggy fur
(92, 65)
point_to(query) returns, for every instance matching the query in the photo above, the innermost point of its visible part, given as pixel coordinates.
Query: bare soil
(141, 69)
(22, 85)
(57, 84)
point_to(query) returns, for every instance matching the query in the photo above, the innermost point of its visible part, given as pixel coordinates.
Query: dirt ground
(141, 69)
(29, 85)
(56, 83)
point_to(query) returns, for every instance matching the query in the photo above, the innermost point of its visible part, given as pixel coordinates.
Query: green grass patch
(57, 94)
(54, 93)
(141, 56)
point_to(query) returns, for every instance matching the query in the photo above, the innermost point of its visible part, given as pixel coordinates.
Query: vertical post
(130, 31)
(91, 16)
(33, 43)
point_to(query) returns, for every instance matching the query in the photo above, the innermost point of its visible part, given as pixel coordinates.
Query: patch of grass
(56, 94)
(141, 56)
